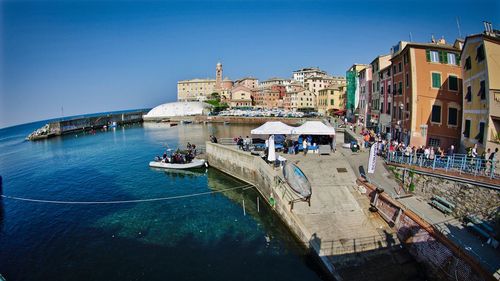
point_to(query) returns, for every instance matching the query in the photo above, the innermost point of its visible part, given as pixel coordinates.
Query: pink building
(385, 99)
(249, 82)
(365, 90)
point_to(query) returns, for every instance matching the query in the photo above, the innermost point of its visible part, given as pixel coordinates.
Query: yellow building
(331, 99)
(305, 100)
(481, 83)
(241, 97)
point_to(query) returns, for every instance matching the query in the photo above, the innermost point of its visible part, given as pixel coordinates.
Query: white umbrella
(271, 156)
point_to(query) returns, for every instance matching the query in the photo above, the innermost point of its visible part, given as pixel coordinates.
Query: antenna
(458, 26)
(62, 111)
(411, 37)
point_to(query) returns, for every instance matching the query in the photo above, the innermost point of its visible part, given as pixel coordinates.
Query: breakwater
(350, 242)
(231, 119)
(61, 127)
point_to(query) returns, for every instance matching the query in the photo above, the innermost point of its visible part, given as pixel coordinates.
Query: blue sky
(94, 56)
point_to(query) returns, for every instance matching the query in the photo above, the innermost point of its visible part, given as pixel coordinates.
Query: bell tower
(218, 76)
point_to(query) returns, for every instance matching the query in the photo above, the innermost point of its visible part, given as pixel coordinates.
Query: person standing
(304, 146)
(248, 142)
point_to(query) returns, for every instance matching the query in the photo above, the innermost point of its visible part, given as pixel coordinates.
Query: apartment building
(481, 83)
(365, 89)
(331, 99)
(427, 93)
(377, 64)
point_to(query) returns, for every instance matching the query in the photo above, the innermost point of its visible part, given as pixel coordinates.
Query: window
(389, 72)
(395, 92)
(452, 116)
(400, 90)
(436, 80)
(480, 53)
(400, 68)
(331, 102)
(434, 56)
(378, 85)
(407, 81)
(434, 142)
(467, 65)
(382, 107)
(467, 129)
(394, 69)
(389, 108)
(452, 59)
(482, 90)
(382, 90)
(436, 114)
(453, 83)
(405, 58)
(480, 136)
(468, 96)
(389, 89)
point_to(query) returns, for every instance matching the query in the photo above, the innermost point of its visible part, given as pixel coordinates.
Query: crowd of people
(485, 162)
(179, 157)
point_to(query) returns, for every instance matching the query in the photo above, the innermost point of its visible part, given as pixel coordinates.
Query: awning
(314, 128)
(272, 128)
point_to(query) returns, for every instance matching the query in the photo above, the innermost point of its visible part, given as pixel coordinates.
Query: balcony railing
(460, 163)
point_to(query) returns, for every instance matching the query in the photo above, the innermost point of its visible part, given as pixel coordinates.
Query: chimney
(488, 28)
(441, 41)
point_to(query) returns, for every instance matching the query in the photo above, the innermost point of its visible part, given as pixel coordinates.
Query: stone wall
(468, 198)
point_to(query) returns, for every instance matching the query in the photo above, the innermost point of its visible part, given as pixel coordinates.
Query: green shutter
(436, 80)
(445, 56)
(428, 55)
(441, 55)
(458, 59)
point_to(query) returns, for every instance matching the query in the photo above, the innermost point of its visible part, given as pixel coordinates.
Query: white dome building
(173, 109)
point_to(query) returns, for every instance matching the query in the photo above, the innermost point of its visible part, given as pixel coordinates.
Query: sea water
(206, 237)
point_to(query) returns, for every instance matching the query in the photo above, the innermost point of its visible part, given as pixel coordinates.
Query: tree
(215, 96)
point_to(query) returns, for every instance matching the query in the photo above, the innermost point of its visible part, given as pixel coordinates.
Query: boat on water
(195, 163)
(297, 180)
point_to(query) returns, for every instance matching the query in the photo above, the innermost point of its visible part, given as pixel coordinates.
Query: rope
(122, 201)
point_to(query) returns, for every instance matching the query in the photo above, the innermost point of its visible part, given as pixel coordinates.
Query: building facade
(377, 64)
(195, 89)
(202, 89)
(481, 84)
(352, 82)
(249, 82)
(385, 100)
(365, 90)
(331, 99)
(305, 100)
(241, 96)
(427, 94)
(301, 74)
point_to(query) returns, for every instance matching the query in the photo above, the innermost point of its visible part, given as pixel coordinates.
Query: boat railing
(285, 191)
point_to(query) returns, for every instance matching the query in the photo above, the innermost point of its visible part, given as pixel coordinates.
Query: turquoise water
(197, 238)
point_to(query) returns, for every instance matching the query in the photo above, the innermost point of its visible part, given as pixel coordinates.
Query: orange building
(427, 94)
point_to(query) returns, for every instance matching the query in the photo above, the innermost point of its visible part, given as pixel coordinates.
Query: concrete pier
(337, 226)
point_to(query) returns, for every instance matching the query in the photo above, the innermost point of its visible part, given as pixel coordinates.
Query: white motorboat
(195, 163)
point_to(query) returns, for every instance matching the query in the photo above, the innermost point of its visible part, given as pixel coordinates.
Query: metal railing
(460, 163)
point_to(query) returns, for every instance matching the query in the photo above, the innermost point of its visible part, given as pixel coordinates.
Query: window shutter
(445, 57)
(428, 55)
(458, 59)
(441, 56)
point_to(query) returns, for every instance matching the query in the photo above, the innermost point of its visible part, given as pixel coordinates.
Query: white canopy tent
(272, 128)
(314, 128)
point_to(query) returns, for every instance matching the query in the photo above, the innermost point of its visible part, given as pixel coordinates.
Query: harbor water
(226, 235)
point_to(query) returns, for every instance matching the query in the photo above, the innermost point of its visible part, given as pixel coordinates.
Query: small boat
(195, 163)
(297, 180)
(186, 122)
